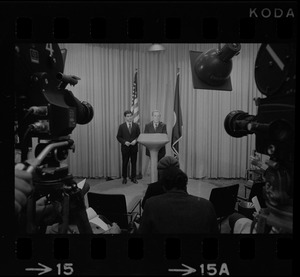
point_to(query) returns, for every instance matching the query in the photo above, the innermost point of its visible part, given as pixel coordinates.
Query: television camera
(274, 128)
(46, 110)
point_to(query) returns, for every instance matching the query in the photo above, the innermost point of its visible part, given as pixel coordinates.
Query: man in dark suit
(156, 126)
(156, 188)
(177, 212)
(128, 133)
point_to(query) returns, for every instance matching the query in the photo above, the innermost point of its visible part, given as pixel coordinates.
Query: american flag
(134, 100)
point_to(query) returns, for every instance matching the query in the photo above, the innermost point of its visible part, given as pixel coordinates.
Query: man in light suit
(128, 133)
(156, 126)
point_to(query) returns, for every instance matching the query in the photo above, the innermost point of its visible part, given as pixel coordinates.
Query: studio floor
(134, 192)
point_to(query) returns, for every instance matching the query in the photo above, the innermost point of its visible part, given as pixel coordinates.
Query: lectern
(153, 142)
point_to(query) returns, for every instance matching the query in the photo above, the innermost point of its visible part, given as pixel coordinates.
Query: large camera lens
(85, 113)
(236, 123)
(84, 110)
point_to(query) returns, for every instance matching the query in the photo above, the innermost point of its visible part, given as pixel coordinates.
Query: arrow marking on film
(44, 269)
(187, 270)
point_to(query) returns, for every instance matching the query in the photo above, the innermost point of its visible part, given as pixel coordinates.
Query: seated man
(177, 212)
(156, 188)
(240, 224)
(73, 229)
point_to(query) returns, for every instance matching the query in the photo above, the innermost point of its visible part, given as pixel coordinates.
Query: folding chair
(224, 201)
(113, 207)
(257, 190)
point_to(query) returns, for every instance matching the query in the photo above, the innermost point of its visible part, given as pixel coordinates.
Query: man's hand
(133, 142)
(127, 143)
(113, 229)
(47, 213)
(255, 215)
(23, 187)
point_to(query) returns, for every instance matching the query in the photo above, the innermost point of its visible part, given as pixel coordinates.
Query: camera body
(274, 124)
(44, 108)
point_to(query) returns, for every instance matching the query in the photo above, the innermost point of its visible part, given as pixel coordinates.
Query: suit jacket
(161, 128)
(153, 189)
(124, 135)
(177, 212)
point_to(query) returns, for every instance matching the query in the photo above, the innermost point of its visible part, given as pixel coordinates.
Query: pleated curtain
(107, 72)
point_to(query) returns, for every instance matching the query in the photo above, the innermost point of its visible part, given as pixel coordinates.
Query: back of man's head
(165, 163)
(174, 178)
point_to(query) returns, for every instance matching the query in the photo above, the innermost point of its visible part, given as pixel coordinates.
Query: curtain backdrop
(107, 71)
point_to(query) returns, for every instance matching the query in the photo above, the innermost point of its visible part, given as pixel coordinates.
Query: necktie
(155, 126)
(130, 128)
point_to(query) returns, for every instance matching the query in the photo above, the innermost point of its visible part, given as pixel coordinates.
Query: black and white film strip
(136, 22)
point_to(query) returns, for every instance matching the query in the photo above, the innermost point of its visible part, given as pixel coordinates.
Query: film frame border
(176, 22)
(80, 23)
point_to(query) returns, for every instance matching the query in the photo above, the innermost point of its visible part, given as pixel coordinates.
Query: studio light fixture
(155, 47)
(211, 70)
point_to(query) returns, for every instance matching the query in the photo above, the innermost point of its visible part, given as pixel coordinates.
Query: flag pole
(140, 168)
(178, 73)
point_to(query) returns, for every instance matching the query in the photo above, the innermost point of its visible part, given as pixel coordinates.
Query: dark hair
(174, 177)
(165, 163)
(127, 112)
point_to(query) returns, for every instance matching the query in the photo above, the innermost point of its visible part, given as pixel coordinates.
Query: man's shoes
(124, 181)
(134, 180)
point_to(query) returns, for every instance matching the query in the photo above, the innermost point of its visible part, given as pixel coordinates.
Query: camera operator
(240, 224)
(262, 220)
(73, 229)
(47, 213)
(23, 187)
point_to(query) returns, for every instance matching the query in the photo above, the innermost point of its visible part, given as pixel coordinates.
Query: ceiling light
(156, 47)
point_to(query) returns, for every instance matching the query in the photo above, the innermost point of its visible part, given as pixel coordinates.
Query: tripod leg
(31, 210)
(73, 206)
(78, 209)
(83, 223)
(63, 228)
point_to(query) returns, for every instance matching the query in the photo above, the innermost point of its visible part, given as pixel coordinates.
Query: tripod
(59, 185)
